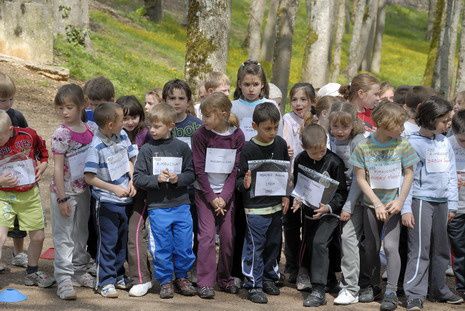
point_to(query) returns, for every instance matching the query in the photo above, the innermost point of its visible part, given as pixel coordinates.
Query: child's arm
(352, 199)
(244, 175)
(93, 180)
(58, 178)
(380, 210)
(131, 187)
(41, 155)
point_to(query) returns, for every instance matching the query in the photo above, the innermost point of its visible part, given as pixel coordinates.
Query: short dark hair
(106, 112)
(416, 95)
(313, 135)
(264, 112)
(99, 89)
(176, 84)
(69, 92)
(430, 110)
(399, 94)
(458, 122)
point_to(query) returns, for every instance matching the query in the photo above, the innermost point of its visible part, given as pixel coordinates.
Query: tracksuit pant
(456, 230)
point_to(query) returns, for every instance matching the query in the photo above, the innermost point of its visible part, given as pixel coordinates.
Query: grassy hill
(138, 55)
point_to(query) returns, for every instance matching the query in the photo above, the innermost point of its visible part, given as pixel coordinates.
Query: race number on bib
(118, 164)
(172, 164)
(271, 183)
(220, 160)
(310, 191)
(23, 171)
(388, 176)
(437, 160)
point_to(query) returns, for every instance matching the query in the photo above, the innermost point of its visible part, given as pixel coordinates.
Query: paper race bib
(309, 191)
(271, 183)
(76, 163)
(173, 164)
(118, 164)
(220, 160)
(187, 140)
(23, 171)
(246, 127)
(386, 177)
(437, 160)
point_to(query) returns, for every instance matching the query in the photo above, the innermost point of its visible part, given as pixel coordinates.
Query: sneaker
(270, 288)
(206, 292)
(450, 271)
(366, 295)
(108, 291)
(122, 283)
(20, 260)
(281, 280)
(303, 280)
(84, 280)
(230, 289)
(167, 291)
(390, 302)
(38, 278)
(315, 299)
(184, 287)
(345, 298)
(238, 282)
(453, 299)
(414, 304)
(140, 290)
(66, 290)
(256, 295)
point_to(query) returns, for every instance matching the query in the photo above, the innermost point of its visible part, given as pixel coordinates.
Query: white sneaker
(449, 271)
(345, 298)
(20, 260)
(140, 290)
(109, 291)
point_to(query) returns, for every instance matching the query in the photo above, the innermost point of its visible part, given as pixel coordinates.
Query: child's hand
(120, 191)
(219, 211)
(450, 216)
(173, 178)
(164, 176)
(65, 209)
(40, 169)
(285, 204)
(221, 203)
(393, 207)
(296, 205)
(247, 179)
(408, 220)
(345, 216)
(323, 209)
(380, 211)
(132, 189)
(290, 151)
(8, 180)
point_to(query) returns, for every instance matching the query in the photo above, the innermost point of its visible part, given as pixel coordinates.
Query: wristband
(65, 199)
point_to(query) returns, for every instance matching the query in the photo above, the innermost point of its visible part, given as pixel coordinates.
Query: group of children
(342, 176)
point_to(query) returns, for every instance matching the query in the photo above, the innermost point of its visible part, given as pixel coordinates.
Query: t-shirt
(410, 128)
(185, 129)
(74, 147)
(367, 119)
(370, 154)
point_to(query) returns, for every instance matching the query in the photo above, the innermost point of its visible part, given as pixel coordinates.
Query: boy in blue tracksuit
(164, 169)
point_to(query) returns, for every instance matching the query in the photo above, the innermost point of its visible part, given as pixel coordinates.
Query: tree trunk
(257, 9)
(434, 46)
(317, 50)
(368, 53)
(441, 79)
(454, 33)
(154, 10)
(337, 42)
(269, 35)
(360, 34)
(283, 48)
(460, 84)
(207, 38)
(380, 21)
(431, 16)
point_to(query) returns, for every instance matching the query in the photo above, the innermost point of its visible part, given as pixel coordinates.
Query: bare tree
(460, 84)
(434, 46)
(454, 33)
(315, 64)
(257, 10)
(431, 16)
(337, 42)
(269, 35)
(378, 43)
(154, 10)
(207, 38)
(283, 48)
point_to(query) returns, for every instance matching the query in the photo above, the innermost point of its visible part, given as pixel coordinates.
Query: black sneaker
(453, 299)
(292, 278)
(256, 295)
(270, 288)
(390, 302)
(366, 295)
(414, 304)
(206, 292)
(167, 291)
(230, 289)
(315, 299)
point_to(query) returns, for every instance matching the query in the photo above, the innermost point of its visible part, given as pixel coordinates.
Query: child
(108, 169)
(216, 158)
(459, 101)
(19, 193)
(7, 93)
(383, 167)
(96, 91)
(168, 201)
(319, 223)
(433, 196)
(414, 96)
(152, 99)
(323, 108)
(263, 213)
(302, 97)
(399, 94)
(386, 91)
(363, 93)
(456, 226)
(137, 131)
(70, 196)
(217, 82)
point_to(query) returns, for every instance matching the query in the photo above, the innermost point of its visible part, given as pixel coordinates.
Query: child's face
(459, 102)
(266, 131)
(69, 112)
(340, 132)
(116, 126)
(316, 153)
(300, 103)
(150, 102)
(389, 95)
(213, 119)
(130, 122)
(160, 130)
(443, 123)
(251, 86)
(370, 98)
(178, 100)
(5, 134)
(223, 88)
(6, 103)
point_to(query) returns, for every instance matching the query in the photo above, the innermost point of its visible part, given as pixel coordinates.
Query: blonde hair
(163, 113)
(215, 79)
(216, 101)
(7, 87)
(5, 120)
(313, 136)
(362, 82)
(326, 102)
(345, 114)
(156, 93)
(389, 115)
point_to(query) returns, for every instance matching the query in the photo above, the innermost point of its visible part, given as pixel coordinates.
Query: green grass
(140, 55)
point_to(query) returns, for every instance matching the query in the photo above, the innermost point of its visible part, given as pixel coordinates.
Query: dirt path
(34, 98)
